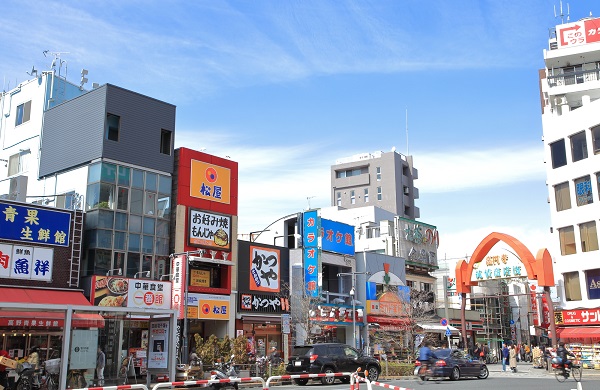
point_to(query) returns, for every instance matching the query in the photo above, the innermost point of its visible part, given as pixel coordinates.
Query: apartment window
(378, 170)
(112, 126)
(573, 74)
(366, 195)
(352, 197)
(122, 198)
(572, 286)
(18, 163)
(425, 286)
(339, 198)
(589, 236)
(583, 191)
(23, 113)
(65, 201)
(596, 138)
(579, 146)
(165, 141)
(559, 154)
(566, 236)
(410, 283)
(350, 172)
(562, 196)
(378, 193)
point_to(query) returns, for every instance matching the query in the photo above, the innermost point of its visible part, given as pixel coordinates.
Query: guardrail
(210, 381)
(370, 384)
(308, 376)
(119, 387)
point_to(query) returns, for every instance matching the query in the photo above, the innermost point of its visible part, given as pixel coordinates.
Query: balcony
(573, 78)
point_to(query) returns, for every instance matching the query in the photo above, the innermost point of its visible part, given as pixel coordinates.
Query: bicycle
(423, 372)
(76, 380)
(49, 382)
(562, 373)
(490, 358)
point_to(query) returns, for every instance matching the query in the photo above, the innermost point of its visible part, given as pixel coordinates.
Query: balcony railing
(572, 78)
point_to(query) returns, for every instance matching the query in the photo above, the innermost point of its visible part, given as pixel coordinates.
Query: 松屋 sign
(26, 262)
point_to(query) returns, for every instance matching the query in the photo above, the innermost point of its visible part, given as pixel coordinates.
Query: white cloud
(462, 243)
(460, 170)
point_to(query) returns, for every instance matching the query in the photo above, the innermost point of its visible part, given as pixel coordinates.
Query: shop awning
(578, 332)
(381, 320)
(436, 328)
(40, 319)
(21, 319)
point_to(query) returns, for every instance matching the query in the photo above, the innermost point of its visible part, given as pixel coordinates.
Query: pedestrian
(34, 360)
(512, 360)
(477, 351)
(274, 357)
(100, 363)
(3, 374)
(505, 355)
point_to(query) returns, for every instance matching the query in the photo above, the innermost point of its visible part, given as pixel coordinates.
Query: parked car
(330, 358)
(455, 364)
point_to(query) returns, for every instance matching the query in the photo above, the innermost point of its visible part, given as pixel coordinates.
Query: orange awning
(37, 319)
(578, 332)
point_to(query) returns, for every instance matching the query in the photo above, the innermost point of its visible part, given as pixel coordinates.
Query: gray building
(116, 147)
(381, 179)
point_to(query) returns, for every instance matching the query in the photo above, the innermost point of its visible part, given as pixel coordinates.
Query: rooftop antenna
(56, 60)
(562, 15)
(33, 71)
(308, 198)
(407, 132)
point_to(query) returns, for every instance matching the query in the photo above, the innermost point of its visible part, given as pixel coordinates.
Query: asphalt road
(526, 377)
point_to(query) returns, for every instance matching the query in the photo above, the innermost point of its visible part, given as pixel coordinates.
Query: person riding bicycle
(426, 356)
(563, 354)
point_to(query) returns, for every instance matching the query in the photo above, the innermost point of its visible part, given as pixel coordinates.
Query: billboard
(311, 239)
(578, 33)
(26, 262)
(337, 237)
(265, 265)
(208, 306)
(209, 230)
(117, 291)
(34, 225)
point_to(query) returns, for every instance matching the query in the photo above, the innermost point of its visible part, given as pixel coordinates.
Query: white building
(570, 92)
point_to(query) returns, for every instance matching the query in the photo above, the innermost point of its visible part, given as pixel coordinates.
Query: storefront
(581, 330)
(263, 296)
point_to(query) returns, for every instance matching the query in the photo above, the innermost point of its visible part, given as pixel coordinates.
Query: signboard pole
(445, 283)
(184, 347)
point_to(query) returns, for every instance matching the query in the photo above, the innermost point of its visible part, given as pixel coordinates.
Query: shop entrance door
(261, 345)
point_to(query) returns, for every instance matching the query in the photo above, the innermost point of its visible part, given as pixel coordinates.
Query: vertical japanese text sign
(311, 229)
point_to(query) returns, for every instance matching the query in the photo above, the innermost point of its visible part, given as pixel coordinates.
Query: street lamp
(110, 272)
(352, 293)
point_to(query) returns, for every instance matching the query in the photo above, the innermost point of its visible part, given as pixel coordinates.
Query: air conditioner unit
(559, 100)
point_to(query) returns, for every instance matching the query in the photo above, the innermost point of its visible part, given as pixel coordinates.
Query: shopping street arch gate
(538, 268)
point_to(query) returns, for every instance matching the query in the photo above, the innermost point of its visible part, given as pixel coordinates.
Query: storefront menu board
(116, 291)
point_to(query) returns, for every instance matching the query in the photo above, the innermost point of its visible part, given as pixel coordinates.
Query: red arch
(538, 268)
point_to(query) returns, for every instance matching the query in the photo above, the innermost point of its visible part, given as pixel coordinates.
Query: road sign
(448, 332)
(512, 322)
(444, 321)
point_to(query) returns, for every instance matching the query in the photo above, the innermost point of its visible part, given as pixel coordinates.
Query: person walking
(3, 373)
(512, 359)
(100, 363)
(505, 356)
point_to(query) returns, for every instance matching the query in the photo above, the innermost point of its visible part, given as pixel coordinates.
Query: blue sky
(287, 87)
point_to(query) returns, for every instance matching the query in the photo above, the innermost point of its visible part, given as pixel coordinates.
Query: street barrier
(120, 387)
(307, 376)
(370, 384)
(208, 382)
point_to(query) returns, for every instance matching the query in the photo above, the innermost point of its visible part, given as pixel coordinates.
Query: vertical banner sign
(84, 348)
(534, 305)
(310, 221)
(178, 269)
(159, 345)
(545, 312)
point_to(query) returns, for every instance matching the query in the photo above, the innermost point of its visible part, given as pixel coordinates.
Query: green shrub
(395, 368)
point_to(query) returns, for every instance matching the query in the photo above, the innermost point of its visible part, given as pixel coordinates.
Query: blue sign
(593, 283)
(29, 224)
(337, 237)
(310, 231)
(512, 322)
(444, 321)
(448, 332)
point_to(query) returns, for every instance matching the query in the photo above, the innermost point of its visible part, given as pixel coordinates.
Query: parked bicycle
(491, 358)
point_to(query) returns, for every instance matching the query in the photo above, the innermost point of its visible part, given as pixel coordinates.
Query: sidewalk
(527, 370)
